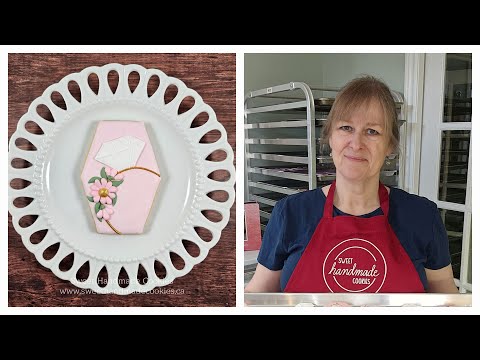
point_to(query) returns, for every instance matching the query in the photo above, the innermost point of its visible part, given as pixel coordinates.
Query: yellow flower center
(103, 192)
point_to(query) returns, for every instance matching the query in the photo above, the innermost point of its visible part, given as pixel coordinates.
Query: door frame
(430, 156)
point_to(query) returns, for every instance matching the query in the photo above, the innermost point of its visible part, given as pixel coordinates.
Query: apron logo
(354, 265)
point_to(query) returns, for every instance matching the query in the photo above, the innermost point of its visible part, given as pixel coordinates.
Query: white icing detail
(120, 153)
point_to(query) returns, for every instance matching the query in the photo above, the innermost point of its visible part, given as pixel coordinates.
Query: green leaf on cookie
(103, 173)
(92, 180)
(90, 198)
(117, 182)
(110, 178)
(114, 200)
(97, 208)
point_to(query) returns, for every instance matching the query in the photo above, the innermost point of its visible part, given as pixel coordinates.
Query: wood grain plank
(210, 283)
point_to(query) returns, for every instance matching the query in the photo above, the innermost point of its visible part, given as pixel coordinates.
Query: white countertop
(348, 299)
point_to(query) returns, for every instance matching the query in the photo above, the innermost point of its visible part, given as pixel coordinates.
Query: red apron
(354, 254)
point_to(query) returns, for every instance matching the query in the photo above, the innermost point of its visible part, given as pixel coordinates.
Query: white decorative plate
(59, 200)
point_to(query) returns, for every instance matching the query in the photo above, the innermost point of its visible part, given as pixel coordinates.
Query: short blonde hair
(360, 92)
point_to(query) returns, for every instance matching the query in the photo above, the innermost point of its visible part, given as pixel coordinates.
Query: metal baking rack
(283, 151)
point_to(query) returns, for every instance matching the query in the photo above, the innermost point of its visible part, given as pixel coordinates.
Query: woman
(356, 235)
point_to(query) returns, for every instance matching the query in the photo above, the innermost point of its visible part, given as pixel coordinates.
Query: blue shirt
(415, 220)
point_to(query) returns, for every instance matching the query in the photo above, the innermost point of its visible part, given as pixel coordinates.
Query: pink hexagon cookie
(120, 177)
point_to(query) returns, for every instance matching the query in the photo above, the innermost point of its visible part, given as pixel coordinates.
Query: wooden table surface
(210, 283)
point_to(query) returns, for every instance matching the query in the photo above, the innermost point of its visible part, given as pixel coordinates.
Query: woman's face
(359, 144)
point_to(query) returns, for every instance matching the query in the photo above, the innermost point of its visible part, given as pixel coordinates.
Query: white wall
(264, 70)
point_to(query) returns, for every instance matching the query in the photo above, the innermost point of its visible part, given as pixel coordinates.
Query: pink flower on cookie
(113, 173)
(105, 213)
(103, 192)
